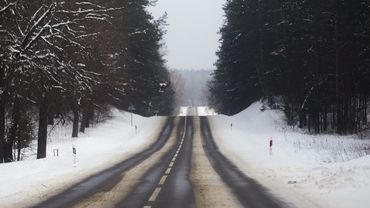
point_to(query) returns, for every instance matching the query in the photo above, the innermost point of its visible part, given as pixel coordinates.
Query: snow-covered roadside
(307, 170)
(27, 182)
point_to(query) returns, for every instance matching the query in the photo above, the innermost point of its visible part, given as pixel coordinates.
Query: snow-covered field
(27, 182)
(306, 170)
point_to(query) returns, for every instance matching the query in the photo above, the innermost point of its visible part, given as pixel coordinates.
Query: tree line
(309, 58)
(74, 58)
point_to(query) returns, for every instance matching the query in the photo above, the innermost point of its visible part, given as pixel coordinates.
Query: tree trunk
(334, 120)
(2, 129)
(75, 123)
(76, 119)
(43, 129)
(13, 130)
(90, 115)
(260, 64)
(345, 116)
(364, 118)
(84, 119)
(51, 114)
(309, 122)
(325, 119)
(19, 139)
(317, 118)
(302, 117)
(355, 123)
(19, 148)
(338, 75)
(8, 151)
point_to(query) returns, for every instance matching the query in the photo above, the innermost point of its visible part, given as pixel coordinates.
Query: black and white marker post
(131, 108)
(270, 144)
(74, 151)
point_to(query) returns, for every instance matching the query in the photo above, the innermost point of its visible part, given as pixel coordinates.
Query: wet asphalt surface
(100, 181)
(249, 192)
(166, 184)
(176, 190)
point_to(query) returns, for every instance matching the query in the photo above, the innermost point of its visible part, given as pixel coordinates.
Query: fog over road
(183, 168)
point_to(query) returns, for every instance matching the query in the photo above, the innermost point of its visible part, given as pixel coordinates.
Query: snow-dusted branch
(9, 5)
(26, 42)
(312, 89)
(39, 39)
(87, 11)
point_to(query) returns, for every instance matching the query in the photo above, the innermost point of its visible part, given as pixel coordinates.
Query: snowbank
(307, 170)
(27, 182)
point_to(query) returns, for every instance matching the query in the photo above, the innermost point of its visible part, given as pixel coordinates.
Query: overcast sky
(192, 35)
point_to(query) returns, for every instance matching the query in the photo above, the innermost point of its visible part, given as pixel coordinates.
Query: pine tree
(308, 57)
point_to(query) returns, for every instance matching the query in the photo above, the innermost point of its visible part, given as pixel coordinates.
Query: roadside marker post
(131, 108)
(270, 145)
(74, 151)
(56, 152)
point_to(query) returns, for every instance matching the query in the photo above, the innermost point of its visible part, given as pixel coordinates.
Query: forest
(71, 60)
(309, 58)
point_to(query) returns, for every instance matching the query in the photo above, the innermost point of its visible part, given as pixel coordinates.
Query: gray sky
(191, 39)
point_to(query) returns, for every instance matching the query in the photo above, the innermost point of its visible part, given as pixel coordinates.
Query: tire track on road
(100, 182)
(249, 192)
(210, 190)
(166, 184)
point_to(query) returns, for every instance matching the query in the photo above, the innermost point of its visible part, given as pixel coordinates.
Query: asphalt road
(105, 179)
(165, 182)
(249, 192)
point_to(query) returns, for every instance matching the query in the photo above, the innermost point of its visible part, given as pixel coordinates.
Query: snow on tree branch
(9, 5)
(39, 38)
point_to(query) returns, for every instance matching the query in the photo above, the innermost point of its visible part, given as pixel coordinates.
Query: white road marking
(163, 179)
(155, 194)
(168, 171)
(158, 189)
